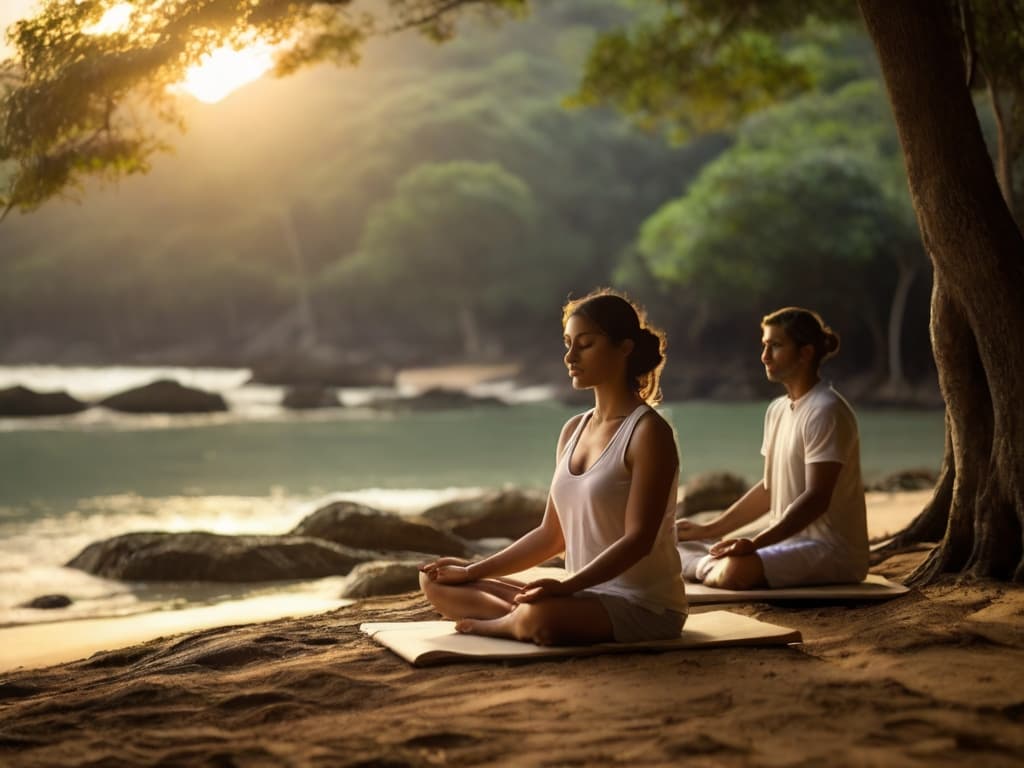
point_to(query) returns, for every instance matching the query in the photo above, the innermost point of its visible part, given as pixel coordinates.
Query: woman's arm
(542, 543)
(655, 462)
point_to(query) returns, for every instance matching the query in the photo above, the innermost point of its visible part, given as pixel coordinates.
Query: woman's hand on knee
(542, 588)
(447, 570)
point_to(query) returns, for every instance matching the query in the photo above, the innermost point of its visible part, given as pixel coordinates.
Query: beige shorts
(632, 623)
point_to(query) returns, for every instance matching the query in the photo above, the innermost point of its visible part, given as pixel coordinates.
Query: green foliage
(702, 66)
(760, 225)
(855, 118)
(994, 36)
(456, 224)
(72, 98)
(813, 189)
(202, 231)
(455, 238)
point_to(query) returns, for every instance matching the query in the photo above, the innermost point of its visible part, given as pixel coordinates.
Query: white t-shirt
(819, 426)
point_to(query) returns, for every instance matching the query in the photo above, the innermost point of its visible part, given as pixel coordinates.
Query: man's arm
(805, 509)
(754, 503)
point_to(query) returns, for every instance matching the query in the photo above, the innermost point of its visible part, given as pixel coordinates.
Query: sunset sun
(115, 19)
(217, 73)
(225, 70)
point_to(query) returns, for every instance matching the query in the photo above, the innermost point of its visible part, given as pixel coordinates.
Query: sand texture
(932, 678)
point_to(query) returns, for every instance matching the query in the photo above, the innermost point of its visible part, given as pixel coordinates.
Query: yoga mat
(874, 587)
(422, 643)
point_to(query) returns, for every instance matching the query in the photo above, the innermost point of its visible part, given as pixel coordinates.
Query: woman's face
(591, 356)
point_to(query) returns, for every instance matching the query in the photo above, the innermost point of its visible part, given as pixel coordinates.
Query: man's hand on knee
(738, 572)
(733, 548)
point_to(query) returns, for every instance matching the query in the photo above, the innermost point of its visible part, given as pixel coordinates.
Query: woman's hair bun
(647, 352)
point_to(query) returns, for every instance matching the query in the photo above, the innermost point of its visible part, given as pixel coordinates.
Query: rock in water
(382, 578)
(48, 602)
(165, 396)
(21, 401)
(200, 556)
(500, 514)
(711, 491)
(310, 396)
(359, 526)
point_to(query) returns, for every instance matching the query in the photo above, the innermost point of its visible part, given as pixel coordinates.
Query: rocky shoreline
(166, 396)
(380, 551)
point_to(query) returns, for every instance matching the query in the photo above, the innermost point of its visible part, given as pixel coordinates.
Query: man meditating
(812, 488)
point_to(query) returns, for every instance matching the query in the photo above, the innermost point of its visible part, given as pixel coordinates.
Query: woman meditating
(610, 509)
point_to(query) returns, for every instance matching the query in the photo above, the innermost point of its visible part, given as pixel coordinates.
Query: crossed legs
(487, 607)
(735, 572)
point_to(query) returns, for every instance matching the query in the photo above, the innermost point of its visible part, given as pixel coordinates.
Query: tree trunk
(308, 330)
(231, 314)
(977, 306)
(896, 386)
(1004, 172)
(470, 330)
(879, 345)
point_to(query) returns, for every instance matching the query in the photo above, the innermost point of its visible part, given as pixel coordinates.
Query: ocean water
(68, 481)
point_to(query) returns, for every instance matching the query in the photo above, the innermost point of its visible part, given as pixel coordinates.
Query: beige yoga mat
(874, 587)
(422, 643)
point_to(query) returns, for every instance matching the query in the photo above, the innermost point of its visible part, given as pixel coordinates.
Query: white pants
(797, 561)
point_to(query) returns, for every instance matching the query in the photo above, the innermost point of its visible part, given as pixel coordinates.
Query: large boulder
(200, 556)
(356, 525)
(711, 491)
(382, 578)
(436, 399)
(165, 396)
(310, 396)
(21, 401)
(500, 514)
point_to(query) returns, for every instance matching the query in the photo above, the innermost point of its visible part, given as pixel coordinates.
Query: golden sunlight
(115, 19)
(225, 70)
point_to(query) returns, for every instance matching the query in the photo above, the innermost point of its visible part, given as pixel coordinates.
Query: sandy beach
(931, 678)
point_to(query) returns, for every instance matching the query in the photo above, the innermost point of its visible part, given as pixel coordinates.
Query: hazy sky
(11, 11)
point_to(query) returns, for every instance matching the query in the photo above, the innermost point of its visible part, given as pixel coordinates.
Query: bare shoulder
(653, 426)
(653, 438)
(567, 429)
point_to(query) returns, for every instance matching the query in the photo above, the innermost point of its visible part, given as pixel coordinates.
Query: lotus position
(610, 508)
(811, 490)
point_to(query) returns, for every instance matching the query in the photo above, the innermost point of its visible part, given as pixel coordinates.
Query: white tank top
(591, 508)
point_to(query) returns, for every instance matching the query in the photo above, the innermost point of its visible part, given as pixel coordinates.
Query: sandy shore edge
(58, 642)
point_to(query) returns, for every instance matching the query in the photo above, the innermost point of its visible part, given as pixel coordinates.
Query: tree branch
(970, 44)
(432, 17)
